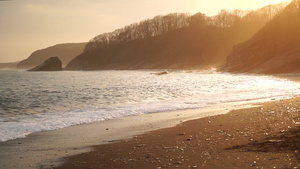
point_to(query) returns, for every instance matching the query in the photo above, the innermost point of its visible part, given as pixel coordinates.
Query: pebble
(179, 162)
(132, 160)
(141, 145)
(274, 141)
(149, 155)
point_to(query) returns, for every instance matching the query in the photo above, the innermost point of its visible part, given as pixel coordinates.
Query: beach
(44, 123)
(183, 85)
(266, 136)
(51, 148)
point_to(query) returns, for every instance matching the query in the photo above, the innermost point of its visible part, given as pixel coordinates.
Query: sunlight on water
(40, 101)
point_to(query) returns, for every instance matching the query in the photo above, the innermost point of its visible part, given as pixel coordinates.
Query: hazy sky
(29, 25)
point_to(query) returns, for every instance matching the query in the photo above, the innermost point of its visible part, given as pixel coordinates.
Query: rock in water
(51, 64)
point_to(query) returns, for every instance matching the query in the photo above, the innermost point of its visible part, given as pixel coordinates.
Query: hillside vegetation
(173, 41)
(274, 49)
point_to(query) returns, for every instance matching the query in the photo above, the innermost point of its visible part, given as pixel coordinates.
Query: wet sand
(49, 149)
(259, 137)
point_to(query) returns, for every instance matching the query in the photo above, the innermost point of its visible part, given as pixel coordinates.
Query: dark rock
(51, 64)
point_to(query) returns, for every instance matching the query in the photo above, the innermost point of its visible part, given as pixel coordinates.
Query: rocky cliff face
(51, 64)
(274, 49)
(65, 52)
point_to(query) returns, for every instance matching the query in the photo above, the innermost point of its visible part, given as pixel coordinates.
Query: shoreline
(266, 136)
(49, 149)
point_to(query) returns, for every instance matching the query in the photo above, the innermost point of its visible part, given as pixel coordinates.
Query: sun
(261, 3)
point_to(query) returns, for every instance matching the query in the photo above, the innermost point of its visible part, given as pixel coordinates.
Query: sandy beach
(150, 84)
(50, 149)
(259, 137)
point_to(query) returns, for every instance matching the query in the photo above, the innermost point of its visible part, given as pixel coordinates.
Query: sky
(30, 25)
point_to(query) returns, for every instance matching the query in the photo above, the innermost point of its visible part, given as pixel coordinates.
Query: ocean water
(41, 101)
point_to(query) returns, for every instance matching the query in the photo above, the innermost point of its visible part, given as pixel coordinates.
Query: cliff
(272, 50)
(173, 41)
(65, 52)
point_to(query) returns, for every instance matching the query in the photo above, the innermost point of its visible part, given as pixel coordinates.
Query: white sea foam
(34, 102)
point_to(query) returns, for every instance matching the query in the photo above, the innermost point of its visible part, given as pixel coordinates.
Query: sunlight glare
(212, 7)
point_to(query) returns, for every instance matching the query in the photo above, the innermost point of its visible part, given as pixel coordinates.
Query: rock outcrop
(51, 64)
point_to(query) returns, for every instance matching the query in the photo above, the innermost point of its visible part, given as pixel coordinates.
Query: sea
(41, 101)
